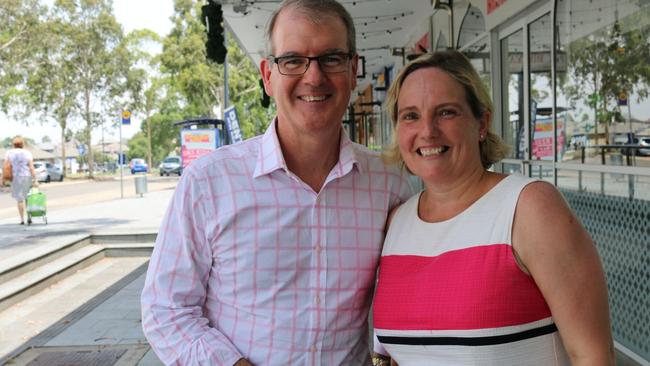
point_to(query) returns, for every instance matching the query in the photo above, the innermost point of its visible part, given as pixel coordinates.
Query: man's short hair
(316, 10)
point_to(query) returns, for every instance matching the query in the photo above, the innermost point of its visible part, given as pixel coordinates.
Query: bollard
(141, 184)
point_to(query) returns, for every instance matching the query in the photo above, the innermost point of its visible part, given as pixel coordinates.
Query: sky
(132, 14)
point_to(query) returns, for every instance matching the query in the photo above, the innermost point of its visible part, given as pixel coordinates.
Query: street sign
(82, 149)
(126, 117)
(622, 98)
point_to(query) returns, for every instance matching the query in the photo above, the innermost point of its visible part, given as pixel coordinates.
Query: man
(267, 254)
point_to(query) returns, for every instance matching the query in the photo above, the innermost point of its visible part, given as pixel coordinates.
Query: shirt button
(317, 300)
(312, 349)
(318, 248)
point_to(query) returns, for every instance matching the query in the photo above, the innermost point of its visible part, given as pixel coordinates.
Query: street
(70, 193)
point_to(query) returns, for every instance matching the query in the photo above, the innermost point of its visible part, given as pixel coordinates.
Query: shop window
(540, 87)
(513, 94)
(603, 77)
(479, 55)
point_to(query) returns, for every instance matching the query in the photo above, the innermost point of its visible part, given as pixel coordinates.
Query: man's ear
(265, 70)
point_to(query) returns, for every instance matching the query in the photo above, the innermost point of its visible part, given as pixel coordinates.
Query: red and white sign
(196, 143)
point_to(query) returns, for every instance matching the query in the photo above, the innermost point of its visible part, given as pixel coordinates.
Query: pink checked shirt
(251, 262)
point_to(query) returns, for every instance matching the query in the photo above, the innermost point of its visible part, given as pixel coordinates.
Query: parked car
(47, 172)
(171, 165)
(138, 166)
(642, 147)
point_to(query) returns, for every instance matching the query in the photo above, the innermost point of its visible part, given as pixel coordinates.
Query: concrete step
(37, 279)
(39, 269)
(39, 256)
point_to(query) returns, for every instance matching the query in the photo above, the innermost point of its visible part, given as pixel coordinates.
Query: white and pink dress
(451, 292)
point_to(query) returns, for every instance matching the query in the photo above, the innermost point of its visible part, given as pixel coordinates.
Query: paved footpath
(97, 306)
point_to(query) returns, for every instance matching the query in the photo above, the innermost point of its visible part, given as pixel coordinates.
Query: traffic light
(266, 100)
(212, 18)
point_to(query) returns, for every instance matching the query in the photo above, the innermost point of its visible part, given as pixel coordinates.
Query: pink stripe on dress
(434, 293)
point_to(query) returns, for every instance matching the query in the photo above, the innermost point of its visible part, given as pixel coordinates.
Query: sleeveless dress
(451, 292)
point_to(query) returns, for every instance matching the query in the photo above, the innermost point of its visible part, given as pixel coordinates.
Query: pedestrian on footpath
(268, 252)
(23, 173)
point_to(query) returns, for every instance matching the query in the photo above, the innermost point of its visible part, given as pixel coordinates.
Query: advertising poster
(196, 143)
(542, 146)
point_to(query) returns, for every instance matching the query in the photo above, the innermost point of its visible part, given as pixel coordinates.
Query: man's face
(315, 101)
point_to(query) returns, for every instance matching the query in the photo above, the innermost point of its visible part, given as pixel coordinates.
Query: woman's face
(437, 134)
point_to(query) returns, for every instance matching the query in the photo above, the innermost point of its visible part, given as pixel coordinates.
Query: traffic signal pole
(226, 96)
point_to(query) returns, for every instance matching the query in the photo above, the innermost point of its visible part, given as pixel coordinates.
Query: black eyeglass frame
(276, 60)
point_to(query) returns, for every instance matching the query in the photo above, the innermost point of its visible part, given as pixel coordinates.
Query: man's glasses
(298, 65)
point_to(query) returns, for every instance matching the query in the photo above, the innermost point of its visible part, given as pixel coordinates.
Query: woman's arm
(31, 168)
(558, 252)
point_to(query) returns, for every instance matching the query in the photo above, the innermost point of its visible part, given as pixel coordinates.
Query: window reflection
(605, 46)
(479, 55)
(513, 94)
(541, 102)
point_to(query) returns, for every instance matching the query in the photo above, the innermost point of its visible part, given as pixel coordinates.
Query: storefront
(570, 81)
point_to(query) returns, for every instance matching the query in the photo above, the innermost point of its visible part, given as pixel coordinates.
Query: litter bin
(141, 184)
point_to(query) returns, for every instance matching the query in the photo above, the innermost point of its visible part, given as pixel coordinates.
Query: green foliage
(6, 143)
(99, 56)
(198, 82)
(165, 136)
(73, 61)
(137, 146)
(246, 93)
(21, 34)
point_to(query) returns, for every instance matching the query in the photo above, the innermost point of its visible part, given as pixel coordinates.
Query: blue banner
(232, 125)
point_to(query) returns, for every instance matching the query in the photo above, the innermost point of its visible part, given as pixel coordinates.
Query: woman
(22, 168)
(480, 267)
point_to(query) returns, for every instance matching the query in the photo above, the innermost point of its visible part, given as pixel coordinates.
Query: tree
(137, 146)
(6, 143)
(21, 32)
(53, 84)
(197, 81)
(145, 87)
(98, 56)
(246, 92)
(607, 63)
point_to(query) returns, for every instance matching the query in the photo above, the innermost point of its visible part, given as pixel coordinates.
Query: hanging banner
(232, 125)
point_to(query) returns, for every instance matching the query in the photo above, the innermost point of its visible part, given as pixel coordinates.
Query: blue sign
(126, 117)
(232, 125)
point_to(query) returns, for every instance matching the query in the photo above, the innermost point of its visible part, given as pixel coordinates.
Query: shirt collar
(270, 156)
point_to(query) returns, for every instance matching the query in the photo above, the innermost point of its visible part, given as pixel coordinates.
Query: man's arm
(175, 290)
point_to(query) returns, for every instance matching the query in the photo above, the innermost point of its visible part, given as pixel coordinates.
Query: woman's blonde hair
(456, 65)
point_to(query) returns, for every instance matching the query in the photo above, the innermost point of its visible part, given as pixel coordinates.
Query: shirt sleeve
(176, 286)
(404, 189)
